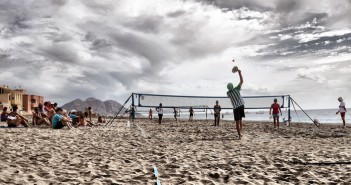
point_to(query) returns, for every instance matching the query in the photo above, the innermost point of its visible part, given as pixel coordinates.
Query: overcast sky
(68, 49)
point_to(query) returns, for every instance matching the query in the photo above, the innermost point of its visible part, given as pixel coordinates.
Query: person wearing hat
(342, 110)
(74, 117)
(58, 120)
(237, 102)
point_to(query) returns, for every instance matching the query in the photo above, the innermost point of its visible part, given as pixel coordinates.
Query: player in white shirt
(342, 110)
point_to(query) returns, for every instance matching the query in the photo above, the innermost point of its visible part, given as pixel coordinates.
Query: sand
(184, 153)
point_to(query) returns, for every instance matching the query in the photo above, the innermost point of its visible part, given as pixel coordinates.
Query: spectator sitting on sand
(38, 119)
(100, 120)
(59, 120)
(54, 106)
(42, 111)
(4, 114)
(74, 117)
(14, 119)
(48, 110)
(83, 122)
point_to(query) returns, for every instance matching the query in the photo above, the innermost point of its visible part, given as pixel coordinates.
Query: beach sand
(184, 153)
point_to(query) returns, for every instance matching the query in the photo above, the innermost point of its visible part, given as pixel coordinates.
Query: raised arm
(241, 78)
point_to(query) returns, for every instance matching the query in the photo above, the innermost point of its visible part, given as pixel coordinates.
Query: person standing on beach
(132, 113)
(276, 110)
(90, 113)
(150, 114)
(191, 116)
(160, 113)
(175, 112)
(217, 111)
(238, 103)
(342, 110)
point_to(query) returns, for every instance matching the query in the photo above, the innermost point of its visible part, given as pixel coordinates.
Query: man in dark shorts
(217, 111)
(160, 113)
(59, 121)
(238, 104)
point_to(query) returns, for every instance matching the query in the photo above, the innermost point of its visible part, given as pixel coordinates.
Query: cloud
(107, 49)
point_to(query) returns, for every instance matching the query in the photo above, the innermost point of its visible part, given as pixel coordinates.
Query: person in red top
(276, 110)
(50, 112)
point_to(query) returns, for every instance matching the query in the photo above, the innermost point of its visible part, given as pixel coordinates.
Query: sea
(322, 115)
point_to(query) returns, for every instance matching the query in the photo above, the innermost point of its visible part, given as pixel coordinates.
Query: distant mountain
(108, 107)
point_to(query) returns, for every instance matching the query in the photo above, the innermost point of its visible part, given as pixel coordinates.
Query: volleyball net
(204, 103)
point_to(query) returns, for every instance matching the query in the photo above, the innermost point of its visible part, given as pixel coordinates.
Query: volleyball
(235, 69)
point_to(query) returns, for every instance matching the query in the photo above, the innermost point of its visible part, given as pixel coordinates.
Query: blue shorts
(275, 115)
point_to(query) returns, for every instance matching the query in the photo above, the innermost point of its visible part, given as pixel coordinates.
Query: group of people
(50, 115)
(239, 113)
(159, 110)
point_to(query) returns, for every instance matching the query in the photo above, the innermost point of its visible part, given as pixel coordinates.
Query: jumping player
(238, 104)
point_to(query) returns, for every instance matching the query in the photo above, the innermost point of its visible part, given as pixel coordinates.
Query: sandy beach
(184, 153)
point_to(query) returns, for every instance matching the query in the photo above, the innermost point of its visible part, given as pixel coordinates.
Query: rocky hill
(108, 107)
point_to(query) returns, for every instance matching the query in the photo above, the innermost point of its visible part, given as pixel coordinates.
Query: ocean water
(323, 115)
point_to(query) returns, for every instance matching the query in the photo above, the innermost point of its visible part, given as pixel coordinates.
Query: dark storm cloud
(321, 46)
(237, 4)
(176, 14)
(147, 48)
(61, 53)
(60, 37)
(100, 7)
(94, 77)
(147, 24)
(85, 48)
(127, 79)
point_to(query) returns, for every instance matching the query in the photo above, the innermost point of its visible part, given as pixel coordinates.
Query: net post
(206, 113)
(289, 117)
